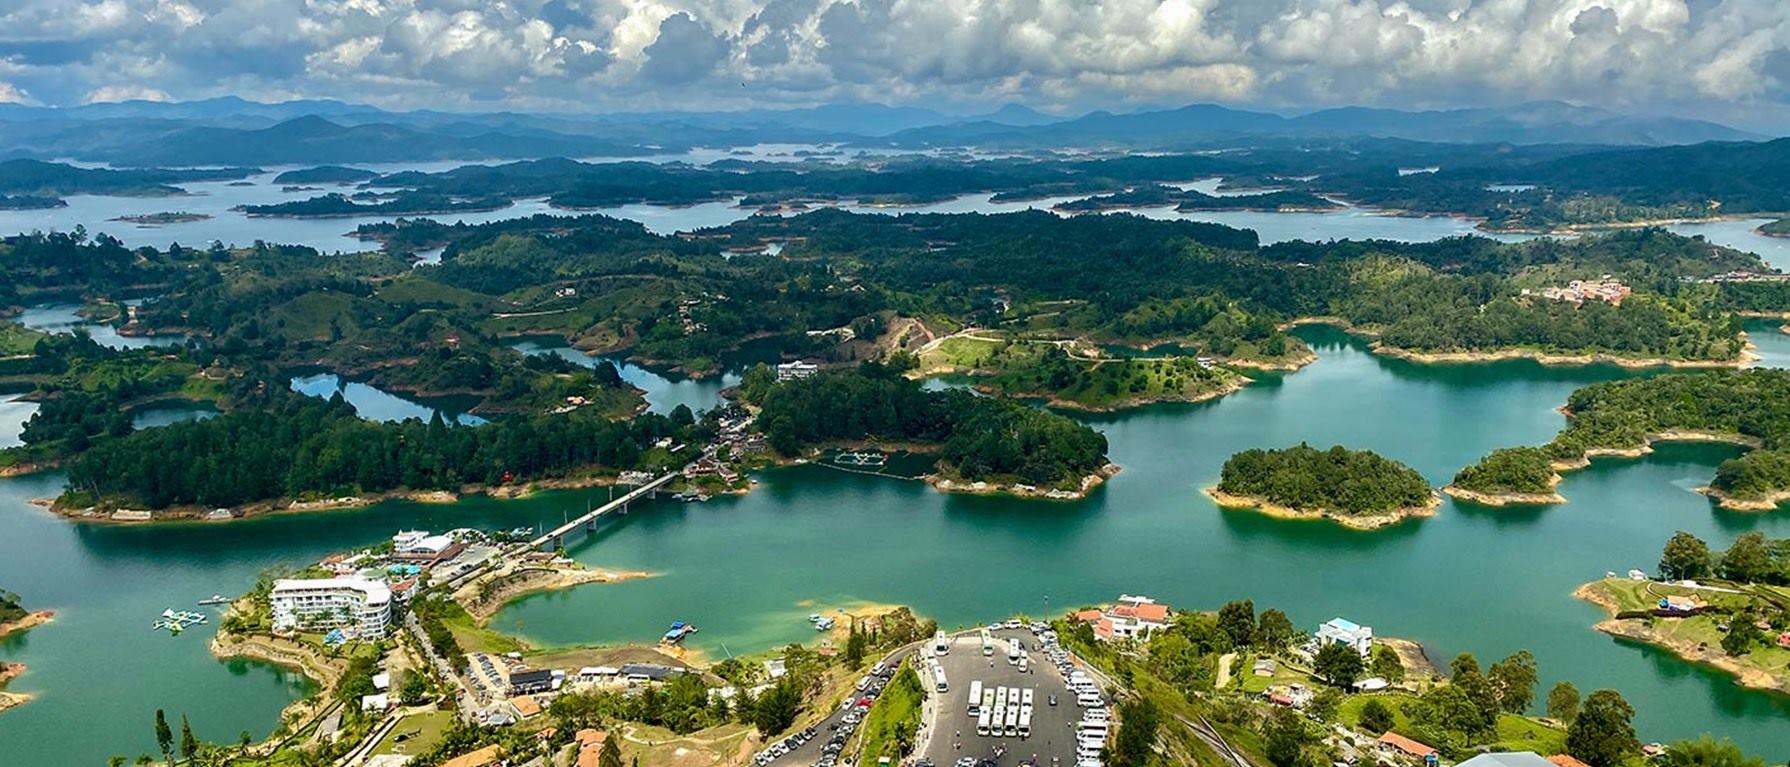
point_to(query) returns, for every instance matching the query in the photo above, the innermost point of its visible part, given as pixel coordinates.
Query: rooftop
(1511, 759)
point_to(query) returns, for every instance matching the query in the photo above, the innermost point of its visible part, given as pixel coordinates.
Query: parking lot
(1052, 740)
(822, 745)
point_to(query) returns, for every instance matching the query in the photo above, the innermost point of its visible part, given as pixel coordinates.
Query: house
(484, 757)
(530, 682)
(359, 607)
(1345, 632)
(798, 369)
(1566, 760)
(376, 702)
(1784, 639)
(1399, 745)
(650, 672)
(1265, 667)
(1130, 617)
(594, 674)
(590, 746)
(1514, 759)
(526, 707)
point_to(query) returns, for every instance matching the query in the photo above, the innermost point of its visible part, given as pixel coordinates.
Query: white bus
(1025, 696)
(1000, 697)
(1012, 728)
(975, 697)
(987, 643)
(987, 698)
(1013, 650)
(1025, 723)
(982, 721)
(938, 673)
(940, 645)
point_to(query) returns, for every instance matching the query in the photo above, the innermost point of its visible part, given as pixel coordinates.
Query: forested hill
(1337, 480)
(1741, 176)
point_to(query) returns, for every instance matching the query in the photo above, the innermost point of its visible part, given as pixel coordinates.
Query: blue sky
(1727, 60)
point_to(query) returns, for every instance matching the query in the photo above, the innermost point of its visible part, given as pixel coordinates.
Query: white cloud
(12, 94)
(110, 93)
(620, 54)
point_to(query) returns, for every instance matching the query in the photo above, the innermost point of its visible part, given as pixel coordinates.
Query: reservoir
(750, 569)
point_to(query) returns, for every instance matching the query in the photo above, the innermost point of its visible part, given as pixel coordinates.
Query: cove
(747, 569)
(373, 403)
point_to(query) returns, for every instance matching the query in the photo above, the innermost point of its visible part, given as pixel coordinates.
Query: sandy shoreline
(1353, 521)
(1641, 630)
(1748, 355)
(9, 672)
(1561, 467)
(1088, 483)
(27, 623)
(486, 596)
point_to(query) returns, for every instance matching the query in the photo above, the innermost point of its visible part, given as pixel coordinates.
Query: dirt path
(1224, 669)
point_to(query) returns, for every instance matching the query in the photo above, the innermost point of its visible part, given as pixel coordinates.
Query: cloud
(1724, 56)
(12, 94)
(112, 93)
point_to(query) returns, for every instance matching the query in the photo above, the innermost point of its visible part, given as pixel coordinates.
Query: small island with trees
(1356, 488)
(1748, 408)
(159, 219)
(1726, 609)
(15, 618)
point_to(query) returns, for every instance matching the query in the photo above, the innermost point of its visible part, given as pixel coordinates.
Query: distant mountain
(1205, 125)
(313, 139)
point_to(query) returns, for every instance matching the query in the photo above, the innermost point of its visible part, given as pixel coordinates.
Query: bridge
(558, 536)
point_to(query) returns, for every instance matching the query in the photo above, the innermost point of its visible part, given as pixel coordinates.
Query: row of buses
(1001, 711)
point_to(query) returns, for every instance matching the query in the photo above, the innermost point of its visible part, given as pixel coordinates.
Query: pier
(557, 537)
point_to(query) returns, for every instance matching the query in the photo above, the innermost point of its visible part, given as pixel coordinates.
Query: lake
(748, 570)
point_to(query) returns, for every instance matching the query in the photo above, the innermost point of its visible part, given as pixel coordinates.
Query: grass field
(16, 339)
(1021, 367)
(475, 638)
(420, 732)
(890, 727)
(1514, 733)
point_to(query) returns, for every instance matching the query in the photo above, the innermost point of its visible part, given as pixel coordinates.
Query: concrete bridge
(559, 536)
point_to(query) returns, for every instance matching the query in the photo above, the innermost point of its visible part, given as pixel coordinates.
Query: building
(590, 746)
(1399, 745)
(1566, 760)
(1345, 632)
(360, 607)
(790, 371)
(1577, 292)
(484, 757)
(420, 546)
(1130, 617)
(1515, 759)
(530, 682)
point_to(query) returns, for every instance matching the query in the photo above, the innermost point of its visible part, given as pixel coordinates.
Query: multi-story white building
(360, 607)
(1345, 632)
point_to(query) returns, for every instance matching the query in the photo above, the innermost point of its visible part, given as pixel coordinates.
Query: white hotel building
(360, 607)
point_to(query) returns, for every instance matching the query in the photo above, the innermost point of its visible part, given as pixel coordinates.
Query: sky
(1726, 60)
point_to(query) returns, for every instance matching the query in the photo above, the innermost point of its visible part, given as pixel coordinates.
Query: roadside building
(1345, 632)
(526, 707)
(420, 546)
(590, 746)
(1516, 759)
(531, 682)
(1566, 760)
(359, 607)
(1400, 746)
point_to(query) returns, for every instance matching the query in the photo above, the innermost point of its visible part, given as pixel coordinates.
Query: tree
(1514, 680)
(1748, 560)
(1742, 634)
(776, 708)
(189, 745)
(611, 754)
(1387, 664)
(1563, 702)
(1707, 752)
(415, 688)
(1685, 556)
(1325, 703)
(1285, 735)
(164, 737)
(856, 644)
(115, 761)
(1274, 630)
(1603, 734)
(1376, 718)
(1139, 721)
(1338, 664)
(1237, 619)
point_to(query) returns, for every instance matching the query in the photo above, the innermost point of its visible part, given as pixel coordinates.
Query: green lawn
(16, 339)
(421, 732)
(894, 718)
(475, 638)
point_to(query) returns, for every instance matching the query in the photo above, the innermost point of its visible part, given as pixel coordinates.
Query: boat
(814, 617)
(215, 599)
(679, 630)
(824, 624)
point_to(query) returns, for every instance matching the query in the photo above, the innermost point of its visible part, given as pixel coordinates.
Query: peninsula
(1355, 488)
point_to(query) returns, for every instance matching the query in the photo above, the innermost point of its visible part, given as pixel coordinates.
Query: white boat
(824, 624)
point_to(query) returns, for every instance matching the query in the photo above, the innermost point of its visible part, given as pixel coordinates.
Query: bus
(987, 643)
(987, 698)
(938, 673)
(975, 697)
(1012, 727)
(982, 721)
(1025, 723)
(940, 645)
(1013, 650)
(1000, 697)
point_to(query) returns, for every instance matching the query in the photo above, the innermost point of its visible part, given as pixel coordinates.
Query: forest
(1751, 405)
(979, 438)
(1337, 480)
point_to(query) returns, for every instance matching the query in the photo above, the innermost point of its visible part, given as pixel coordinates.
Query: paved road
(810, 752)
(1052, 726)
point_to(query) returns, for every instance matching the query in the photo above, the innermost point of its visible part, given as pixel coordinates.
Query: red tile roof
(1405, 744)
(1566, 760)
(1155, 613)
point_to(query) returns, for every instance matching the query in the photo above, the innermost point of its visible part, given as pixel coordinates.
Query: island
(337, 205)
(1747, 408)
(30, 202)
(983, 444)
(14, 618)
(1069, 374)
(325, 174)
(1355, 488)
(1775, 228)
(158, 219)
(1721, 609)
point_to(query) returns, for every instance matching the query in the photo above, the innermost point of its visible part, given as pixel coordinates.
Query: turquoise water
(749, 570)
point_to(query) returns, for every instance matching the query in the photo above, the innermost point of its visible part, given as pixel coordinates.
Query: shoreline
(11, 700)
(1770, 502)
(1352, 521)
(1640, 631)
(1021, 490)
(1748, 354)
(1227, 388)
(517, 584)
(1500, 499)
(261, 648)
(27, 623)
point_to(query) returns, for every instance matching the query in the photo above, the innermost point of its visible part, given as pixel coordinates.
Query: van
(1087, 699)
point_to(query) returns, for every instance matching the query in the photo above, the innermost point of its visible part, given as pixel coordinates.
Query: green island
(983, 444)
(325, 174)
(337, 205)
(1775, 228)
(1356, 488)
(1624, 418)
(159, 219)
(1070, 377)
(1729, 610)
(30, 202)
(15, 619)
